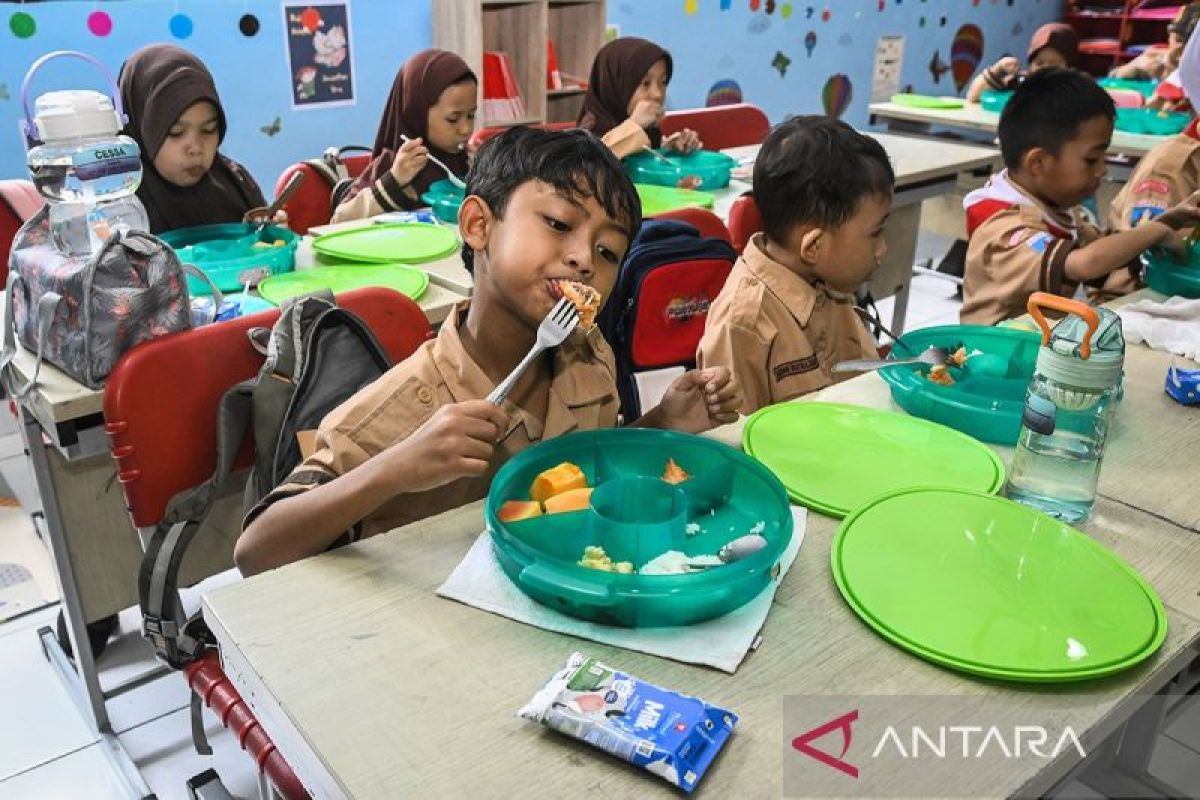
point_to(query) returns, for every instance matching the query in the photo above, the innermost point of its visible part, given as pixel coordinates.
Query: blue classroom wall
(714, 40)
(720, 39)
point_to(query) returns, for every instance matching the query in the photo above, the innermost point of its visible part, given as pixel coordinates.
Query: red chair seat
(744, 221)
(309, 206)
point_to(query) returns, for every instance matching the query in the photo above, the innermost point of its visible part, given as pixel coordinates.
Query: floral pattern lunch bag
(81, 313)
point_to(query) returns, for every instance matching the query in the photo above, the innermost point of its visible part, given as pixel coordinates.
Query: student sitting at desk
(786, 313)
(1027, 230)
(541, 207)
(431, 105)
(1158, 62)
(1055, 44)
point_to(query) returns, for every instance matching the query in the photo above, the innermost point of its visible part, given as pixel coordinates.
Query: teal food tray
(635, 516)
(988, 395)
(1149, 121)
(712, 168)
(1165, 275)
(444, 198)
(994, 101)
(227, 253)
(1145, 87)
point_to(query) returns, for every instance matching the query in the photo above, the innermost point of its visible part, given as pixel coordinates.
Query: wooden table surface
(372, 686)
(972, 117)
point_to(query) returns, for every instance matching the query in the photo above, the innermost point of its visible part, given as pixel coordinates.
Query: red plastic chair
(483, 134)
(19, 201)
(309, 206)
(708, 223)
(720, 126)
(744, 222)
(162, 434)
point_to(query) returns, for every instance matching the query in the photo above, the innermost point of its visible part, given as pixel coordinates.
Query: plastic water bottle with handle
(79, 161)
(1068, 406)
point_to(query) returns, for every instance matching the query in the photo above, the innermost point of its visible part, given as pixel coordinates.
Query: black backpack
(317, 356)
(655, 316)
(332, 167)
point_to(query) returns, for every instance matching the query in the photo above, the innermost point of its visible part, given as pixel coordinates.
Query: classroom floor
(48, 751)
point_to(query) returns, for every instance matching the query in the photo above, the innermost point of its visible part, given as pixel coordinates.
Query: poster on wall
(319, 56)
(889, 58)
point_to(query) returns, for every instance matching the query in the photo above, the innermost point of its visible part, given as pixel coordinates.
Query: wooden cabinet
(522, 28)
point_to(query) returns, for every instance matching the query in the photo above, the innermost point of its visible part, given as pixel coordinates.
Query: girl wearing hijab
(1055, 44)
(176, 118)
(625, 96)
(430, 110)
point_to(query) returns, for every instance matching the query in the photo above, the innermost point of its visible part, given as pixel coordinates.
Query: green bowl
(228, 255)
(1149, 121)
(1165, 275)
(712, 168)
(635, 516)
(994, 101)
(444, 198)
(1145, 87)
(988, 395)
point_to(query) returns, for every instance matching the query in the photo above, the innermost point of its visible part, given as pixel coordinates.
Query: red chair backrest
(483, 134)
(744, 221)
(720, 126)
(309, 206)
(703, 220)
(160, 402)
(19, 201)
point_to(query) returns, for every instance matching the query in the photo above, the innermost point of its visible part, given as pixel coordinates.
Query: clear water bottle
(1068, 408)
(87, 171)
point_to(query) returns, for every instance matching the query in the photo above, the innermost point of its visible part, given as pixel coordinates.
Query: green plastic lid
(342, 278)
(834, 458)
(990, 587)
(406, 242)
(927, 101)
(660, 199)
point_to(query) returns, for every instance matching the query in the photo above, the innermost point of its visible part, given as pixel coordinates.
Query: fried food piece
(586, 300)
(673, 473)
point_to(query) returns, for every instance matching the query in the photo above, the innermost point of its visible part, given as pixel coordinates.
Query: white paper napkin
(723, 642)
(1172, 326)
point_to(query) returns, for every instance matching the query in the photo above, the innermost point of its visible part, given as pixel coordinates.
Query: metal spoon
(457, 181)
(933, 356)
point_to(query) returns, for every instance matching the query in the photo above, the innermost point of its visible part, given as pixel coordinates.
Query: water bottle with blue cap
(79, 161)
(1068, 407)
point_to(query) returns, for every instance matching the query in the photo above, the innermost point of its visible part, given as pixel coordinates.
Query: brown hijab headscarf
(418, 85)
(617, 71)
(1059, 35)
(158, 83)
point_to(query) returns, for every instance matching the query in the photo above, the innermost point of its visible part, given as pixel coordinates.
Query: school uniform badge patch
(1140, 214)
(1039, 243)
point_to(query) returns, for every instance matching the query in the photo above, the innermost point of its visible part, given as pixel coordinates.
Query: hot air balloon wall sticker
(835, 97)
(965, 52)
(724, 92)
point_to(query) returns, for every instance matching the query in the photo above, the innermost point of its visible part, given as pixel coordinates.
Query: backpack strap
(177, 639)
(323, 169)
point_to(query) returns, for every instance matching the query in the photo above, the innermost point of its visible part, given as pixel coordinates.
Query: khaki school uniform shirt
(778, 334)
(582, 396)
(626, 139)
(1164, 178)
(1015, 252)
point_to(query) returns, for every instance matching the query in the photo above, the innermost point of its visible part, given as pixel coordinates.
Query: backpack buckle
(163, 634)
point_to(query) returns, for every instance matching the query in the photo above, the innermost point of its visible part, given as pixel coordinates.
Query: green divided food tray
(710, 167)
(988, 395)
(834, 458)
(994, 101)
(1150, 121)
(344, 277)
(635, 516)
(405, 242)
(227, 253)
(982, 585)
(444, 198)
(1165, 275)
(927, 101)
(660, 199)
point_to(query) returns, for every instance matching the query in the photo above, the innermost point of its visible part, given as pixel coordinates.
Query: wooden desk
(972, 117)
(924, 169)
(371, 686)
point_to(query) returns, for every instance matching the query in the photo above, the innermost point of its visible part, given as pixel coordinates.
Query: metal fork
(932, 356)
(555, 328)
(457, 181)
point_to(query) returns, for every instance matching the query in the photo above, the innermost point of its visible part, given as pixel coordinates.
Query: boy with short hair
(786, 313)
(1027, 230)
(541, 207)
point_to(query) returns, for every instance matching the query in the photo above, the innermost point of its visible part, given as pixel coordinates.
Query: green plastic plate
(990, 587)
(927, 101)
(635, 517)
(344, 277)
(834, 458)
(988, 396)
(660, 199)
(405, 242)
